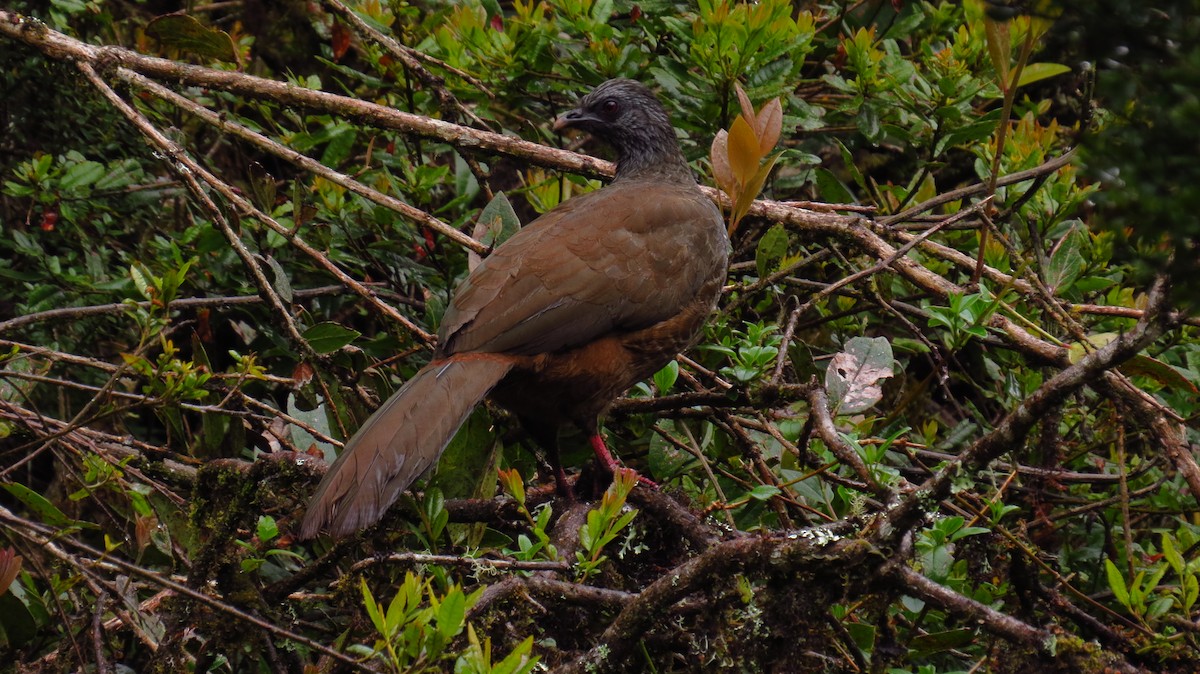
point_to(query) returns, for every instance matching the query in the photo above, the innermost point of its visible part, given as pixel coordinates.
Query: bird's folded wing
(619, 259)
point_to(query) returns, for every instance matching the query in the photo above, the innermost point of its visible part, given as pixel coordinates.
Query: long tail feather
(399, 442)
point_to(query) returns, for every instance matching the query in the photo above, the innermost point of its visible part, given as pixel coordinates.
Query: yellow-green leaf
(372, 608)
(926, 190)
(141, 280)
(1077, 351)
(1116, 583)
(999, 47)
(1041, 71)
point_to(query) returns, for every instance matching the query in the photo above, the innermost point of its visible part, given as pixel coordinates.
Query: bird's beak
(571, 118)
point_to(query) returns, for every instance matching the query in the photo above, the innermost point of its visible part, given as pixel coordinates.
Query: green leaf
(868, 123)
(830, 189)
(81, 175)
(771, 248)
(396, 614)
(1172, 555)
(851, 167)
(1066, 262)
(938, 642)
(518, 661)
(496, 222)
(969, 531)
(451, 612)
(329, 337)
(1137, 594)
(317, 419)
(665, 460)
(1041, 71)
(341, 144)
(267, 529)
(262, 186)
(938, 562)
(141, 280)
(185, 33)
(622, 522)
(763, 492)
(282, 284)
(372, 607)
(1191, 590)
(1159, 607)
(1152, 582)
(1116, 582)
(602, 9)
(17, 624)
(45, 510)
(665, 378)
(1091, 284)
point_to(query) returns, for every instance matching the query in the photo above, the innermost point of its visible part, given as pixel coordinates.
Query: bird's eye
(610, 108)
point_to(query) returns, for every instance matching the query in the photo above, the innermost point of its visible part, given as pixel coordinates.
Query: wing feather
(586, 269)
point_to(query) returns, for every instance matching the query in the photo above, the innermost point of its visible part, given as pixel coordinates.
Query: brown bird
(564, 316)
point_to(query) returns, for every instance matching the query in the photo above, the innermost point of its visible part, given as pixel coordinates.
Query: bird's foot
(647, 482)
(609, 464)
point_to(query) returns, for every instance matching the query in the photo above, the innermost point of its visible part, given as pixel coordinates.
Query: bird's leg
(607, 462)
(562, 486)
(546, 437)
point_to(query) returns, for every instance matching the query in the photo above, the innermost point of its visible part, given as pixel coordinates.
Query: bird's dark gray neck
(658, 170)
(652, 154)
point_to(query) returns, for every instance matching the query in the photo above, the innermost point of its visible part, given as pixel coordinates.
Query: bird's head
(627, 116)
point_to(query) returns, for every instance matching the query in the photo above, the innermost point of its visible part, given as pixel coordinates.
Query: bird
(559, 320)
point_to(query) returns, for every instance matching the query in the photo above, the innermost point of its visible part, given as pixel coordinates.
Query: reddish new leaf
(341, 40)
(744, 102)
(768, 125)
(719, 155)
(10, 566)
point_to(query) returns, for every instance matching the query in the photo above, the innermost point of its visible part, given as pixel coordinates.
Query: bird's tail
(399, 442)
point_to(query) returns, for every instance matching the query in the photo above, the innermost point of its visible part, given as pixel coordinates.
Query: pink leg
(608, 462)
(562, 486)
